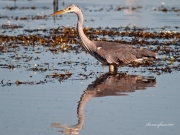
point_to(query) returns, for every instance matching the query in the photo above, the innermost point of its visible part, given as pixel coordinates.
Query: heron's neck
(88, 44)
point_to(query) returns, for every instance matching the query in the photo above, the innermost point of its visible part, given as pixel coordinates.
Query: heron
(108, 53)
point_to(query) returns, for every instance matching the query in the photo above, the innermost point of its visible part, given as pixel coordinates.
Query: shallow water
(88, 101)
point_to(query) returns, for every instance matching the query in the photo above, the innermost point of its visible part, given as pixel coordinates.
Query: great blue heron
(108, 53)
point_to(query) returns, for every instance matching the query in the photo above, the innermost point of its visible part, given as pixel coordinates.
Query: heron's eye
(69, 8)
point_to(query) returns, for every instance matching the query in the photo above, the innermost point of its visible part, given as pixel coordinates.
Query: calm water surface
(117, 105)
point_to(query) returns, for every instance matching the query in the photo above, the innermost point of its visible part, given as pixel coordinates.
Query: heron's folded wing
(117, 55)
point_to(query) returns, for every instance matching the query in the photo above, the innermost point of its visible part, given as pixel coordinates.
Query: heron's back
(116, 53)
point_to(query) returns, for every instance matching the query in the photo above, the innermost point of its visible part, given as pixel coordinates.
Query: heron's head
(70, 9)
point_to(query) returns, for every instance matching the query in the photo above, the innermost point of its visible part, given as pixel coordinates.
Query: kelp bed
(164, 41)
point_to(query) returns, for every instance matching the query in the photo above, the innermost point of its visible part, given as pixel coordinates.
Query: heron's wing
(116, 53)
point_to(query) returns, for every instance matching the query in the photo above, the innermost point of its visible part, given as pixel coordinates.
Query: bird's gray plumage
(115, 53)
(110, 53)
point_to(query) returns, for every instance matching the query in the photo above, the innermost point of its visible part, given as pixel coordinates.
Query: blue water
(32, 109)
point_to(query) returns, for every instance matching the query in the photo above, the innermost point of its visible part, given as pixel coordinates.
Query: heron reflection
(107, 85)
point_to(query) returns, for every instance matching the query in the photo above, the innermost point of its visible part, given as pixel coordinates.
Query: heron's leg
(113, 68)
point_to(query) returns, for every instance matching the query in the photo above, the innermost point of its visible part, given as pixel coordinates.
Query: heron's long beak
(60, 12)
